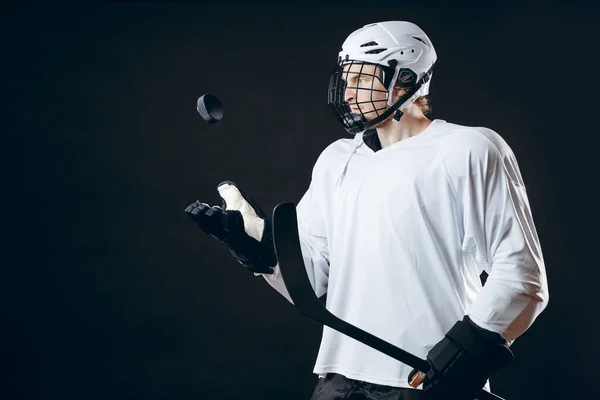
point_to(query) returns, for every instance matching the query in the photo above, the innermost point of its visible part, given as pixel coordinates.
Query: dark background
(110, 292)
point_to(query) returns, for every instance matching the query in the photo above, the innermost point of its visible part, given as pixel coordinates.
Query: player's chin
(381, 123)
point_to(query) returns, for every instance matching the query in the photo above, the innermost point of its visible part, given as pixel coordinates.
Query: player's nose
(349, 95)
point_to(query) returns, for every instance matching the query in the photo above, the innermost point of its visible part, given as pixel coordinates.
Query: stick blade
(291, 262)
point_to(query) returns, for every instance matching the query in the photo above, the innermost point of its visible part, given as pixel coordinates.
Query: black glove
(463, 361)
(241, 225)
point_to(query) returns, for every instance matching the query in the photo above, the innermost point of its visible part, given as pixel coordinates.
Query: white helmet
(405, 57)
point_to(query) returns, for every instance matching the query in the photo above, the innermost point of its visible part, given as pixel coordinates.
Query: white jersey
(398, 238)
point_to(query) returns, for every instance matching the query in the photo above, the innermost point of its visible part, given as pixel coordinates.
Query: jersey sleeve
(499, 228)
(313, 242)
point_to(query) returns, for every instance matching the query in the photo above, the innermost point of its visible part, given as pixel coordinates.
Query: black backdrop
(110, 292)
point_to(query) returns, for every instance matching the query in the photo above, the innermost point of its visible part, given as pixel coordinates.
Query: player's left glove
(463, 361)
(241, 225)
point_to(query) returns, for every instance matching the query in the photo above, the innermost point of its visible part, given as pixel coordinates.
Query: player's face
(364, 90)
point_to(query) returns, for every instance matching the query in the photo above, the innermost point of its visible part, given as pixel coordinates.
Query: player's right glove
(241, 225)
(462, 362)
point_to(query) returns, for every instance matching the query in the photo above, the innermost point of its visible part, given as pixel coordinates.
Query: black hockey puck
(210, 108)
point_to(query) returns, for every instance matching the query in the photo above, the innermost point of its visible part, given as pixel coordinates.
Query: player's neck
(411, 124)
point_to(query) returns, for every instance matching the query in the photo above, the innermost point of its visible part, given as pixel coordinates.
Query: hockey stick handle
(295, 278)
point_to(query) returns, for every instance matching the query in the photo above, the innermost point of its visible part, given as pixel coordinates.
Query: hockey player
(397, 226)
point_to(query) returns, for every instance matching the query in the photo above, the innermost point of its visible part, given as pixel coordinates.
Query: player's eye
(363, 80)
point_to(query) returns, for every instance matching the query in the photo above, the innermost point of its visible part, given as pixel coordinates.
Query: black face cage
(355, 121)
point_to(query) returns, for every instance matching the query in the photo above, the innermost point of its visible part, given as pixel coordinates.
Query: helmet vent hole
(371, 43)
(377, 51)
(413, 50)
(401, 52)
(419, 39)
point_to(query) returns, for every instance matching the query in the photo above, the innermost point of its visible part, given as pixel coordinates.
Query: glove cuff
(488, 349)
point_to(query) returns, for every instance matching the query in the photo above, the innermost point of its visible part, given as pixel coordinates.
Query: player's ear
(397, 93)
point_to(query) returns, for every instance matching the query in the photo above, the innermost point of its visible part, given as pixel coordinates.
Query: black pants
(335, 386)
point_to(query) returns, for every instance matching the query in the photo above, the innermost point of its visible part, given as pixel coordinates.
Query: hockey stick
(293, 271)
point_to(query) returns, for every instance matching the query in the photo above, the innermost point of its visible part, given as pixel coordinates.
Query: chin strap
(397, 115)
